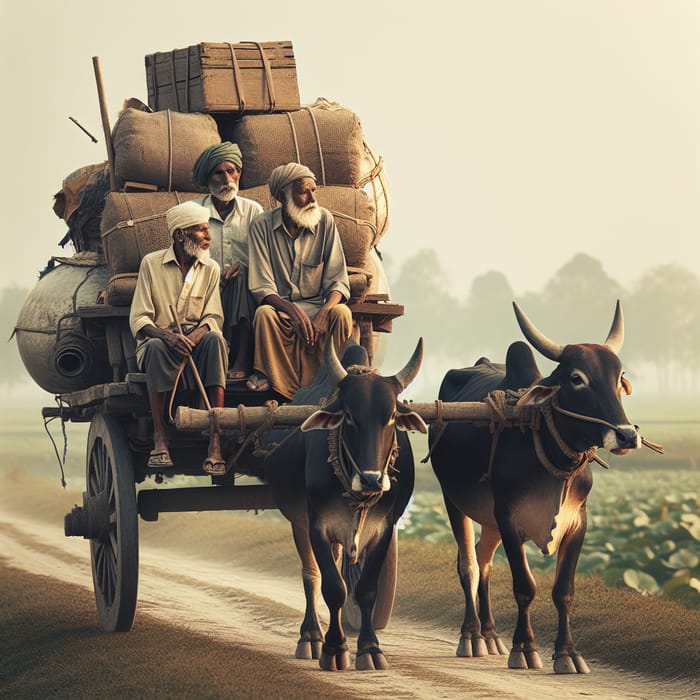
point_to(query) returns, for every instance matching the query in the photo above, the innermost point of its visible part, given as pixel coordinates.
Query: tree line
(661, 311)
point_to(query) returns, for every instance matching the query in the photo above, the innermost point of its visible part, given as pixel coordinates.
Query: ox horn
(541, 342)
(616, 335)
(336, 371)
(409, 372)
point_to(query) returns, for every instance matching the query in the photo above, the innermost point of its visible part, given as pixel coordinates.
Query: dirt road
(215, 599)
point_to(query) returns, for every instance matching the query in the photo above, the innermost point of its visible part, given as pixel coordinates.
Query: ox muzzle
(369, 483)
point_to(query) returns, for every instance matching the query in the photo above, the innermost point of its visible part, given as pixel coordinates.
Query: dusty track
(216, 600)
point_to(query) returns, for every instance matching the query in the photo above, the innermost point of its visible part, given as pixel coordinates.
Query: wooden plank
(377, 309)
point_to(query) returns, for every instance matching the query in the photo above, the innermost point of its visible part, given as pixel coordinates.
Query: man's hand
(320, 322)
(179, 345)
(197, 334)
(232, 271)
(302, 324)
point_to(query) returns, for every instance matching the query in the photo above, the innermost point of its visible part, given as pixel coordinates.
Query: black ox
(343, 482)
(529, 482)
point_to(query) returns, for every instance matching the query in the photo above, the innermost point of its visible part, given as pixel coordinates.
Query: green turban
(212, 156)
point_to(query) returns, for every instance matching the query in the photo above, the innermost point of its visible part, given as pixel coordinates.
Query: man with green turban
(218, 168)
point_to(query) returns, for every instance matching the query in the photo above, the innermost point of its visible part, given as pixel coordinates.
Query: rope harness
(531, 418)
(345, 467)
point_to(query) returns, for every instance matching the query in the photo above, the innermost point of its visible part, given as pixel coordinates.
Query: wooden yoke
(287, 415)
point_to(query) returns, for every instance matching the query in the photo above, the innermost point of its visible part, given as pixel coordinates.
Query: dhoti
(286, 360)
(161, 367)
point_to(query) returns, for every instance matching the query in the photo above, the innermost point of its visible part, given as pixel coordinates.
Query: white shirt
(229, 238)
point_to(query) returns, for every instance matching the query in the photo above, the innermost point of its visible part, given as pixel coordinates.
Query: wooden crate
(248, 77)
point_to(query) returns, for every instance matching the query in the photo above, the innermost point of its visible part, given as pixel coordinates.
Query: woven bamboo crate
(248, 77)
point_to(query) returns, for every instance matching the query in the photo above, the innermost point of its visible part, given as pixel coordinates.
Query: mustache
(224, 192)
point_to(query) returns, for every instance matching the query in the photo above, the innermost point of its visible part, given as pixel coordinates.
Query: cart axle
(151, 502)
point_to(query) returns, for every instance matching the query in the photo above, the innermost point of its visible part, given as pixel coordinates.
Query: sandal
(236, 375)
(160, 459)
(258, 382)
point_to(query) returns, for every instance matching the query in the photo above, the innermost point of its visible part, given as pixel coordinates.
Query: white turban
(185, 215)
(283, 175)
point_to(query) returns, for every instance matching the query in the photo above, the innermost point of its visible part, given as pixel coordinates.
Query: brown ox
(529, 484)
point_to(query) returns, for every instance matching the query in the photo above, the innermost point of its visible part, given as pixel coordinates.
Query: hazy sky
(515, 134)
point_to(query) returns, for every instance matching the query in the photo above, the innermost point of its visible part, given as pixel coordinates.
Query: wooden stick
(198, 379)
(289, 415)
(105, 122)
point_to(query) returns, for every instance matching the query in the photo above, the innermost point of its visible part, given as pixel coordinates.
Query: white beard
(303, 217)
(193, 249)
(224, 193)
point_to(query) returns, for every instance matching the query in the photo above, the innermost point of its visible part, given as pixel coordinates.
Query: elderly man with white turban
(185, 279)
(218, 168)
(299, 279)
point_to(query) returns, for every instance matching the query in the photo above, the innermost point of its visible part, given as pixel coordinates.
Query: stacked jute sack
(253, 102)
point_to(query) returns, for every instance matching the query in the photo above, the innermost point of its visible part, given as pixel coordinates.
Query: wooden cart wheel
(115, 549)
(386, 589)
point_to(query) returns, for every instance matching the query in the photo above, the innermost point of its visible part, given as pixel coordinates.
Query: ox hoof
(335, 658)
(495, 646)
(565, 662)
(371, 659)
(308, 650)
(472, 646)
(524, 659)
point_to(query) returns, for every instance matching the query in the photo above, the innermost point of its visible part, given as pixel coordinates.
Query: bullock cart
(120, 486)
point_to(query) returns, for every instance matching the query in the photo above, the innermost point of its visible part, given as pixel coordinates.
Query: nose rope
(339, 452)
(655, 446)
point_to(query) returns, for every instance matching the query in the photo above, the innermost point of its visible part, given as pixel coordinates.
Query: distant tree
(488, 326)
(664, 326)
(577, 303)
(422, 287)
(11, 368)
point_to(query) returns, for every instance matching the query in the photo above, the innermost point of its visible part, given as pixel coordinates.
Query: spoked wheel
(114, 548)
(386, 588)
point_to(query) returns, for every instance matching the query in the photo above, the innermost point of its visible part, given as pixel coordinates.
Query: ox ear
(537, 394)
(626, 385)
(410, 421)
(322, 420)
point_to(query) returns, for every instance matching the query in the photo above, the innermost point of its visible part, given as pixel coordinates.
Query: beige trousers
(283, 357)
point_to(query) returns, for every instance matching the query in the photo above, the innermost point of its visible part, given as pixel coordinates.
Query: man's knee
(213, 342)
(265, 313)
(341, 317)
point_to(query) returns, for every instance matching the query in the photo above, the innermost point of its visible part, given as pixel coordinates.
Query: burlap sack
(326, 137)
(352, 209)
(133, 224)
(160, 148)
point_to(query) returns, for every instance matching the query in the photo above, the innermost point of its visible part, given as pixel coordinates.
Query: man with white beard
(185, 279)
(299, 280)
(218, 168)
